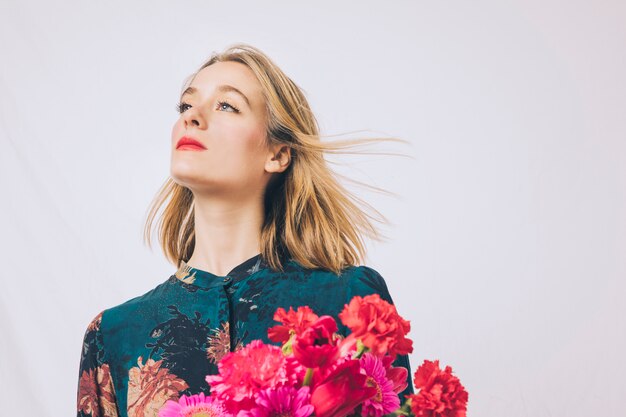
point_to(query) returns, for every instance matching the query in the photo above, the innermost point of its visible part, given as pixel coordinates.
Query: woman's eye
(181, 107)
(225, 103)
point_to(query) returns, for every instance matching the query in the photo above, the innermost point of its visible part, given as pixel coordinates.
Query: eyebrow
(223, 88)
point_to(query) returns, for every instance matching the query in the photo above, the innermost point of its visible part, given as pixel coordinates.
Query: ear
(278, 158)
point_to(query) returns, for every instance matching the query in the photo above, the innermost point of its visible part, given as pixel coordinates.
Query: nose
(192, 117)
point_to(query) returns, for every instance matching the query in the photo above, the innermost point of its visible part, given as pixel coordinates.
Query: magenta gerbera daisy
(197, 405)
(386, 399)
(285, 401)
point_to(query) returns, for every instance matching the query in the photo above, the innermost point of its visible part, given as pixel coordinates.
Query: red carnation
(294, 322)
(378, 325)
(440, 393)
(317, 345)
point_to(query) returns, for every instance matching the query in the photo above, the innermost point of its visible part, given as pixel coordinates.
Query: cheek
(246, 138)
(243, 149)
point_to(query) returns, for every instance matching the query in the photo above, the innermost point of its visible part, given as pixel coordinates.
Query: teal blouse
(161, 345)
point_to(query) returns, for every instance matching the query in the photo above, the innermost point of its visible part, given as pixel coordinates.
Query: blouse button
(226, 279)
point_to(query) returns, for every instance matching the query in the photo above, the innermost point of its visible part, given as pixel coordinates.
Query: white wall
(507, 245)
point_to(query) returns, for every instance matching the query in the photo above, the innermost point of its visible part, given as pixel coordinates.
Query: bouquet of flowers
(319, 373)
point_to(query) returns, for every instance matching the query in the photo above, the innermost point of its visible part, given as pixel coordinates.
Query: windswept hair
(309, 216)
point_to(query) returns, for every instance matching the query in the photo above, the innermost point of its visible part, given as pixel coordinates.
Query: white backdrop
(506, 249)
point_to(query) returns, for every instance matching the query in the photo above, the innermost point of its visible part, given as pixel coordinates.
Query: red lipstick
(189, 143)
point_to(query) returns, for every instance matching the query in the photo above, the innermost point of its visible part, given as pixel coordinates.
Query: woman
(253, 219)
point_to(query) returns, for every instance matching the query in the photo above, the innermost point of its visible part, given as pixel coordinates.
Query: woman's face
(231, 126)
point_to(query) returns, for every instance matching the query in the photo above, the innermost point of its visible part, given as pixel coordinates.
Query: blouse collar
(205, 279)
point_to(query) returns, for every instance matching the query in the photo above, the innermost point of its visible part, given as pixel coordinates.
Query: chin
(185, 174)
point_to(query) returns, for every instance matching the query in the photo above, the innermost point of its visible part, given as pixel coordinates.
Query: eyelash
(182, 104)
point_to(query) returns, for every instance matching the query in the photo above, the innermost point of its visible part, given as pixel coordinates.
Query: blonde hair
(309, 215)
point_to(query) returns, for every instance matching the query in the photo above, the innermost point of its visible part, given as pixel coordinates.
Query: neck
(226, 233)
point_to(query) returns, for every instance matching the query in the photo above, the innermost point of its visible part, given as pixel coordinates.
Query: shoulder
(364, 280)
(350, 275)
(119, 314)
(349, 272)
(353, 280)
(368, 272)
(367, 275)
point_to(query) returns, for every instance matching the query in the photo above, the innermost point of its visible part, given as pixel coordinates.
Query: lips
(188, 142)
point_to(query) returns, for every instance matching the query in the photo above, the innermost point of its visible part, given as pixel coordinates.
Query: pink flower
(245, 372)
(398, 375)
(282, 401)
(194, 405)
(386, 399)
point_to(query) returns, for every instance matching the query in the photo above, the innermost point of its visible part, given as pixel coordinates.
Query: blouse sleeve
(369, 281)
(96, 393)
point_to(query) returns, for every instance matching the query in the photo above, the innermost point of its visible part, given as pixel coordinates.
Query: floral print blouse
(161, 345)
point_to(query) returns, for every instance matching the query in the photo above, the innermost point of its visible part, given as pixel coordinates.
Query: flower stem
(308, 376)
(361, 348)
(405, 410)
